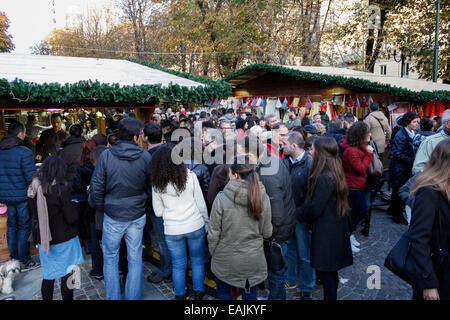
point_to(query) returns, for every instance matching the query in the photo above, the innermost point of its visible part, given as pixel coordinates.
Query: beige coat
(235, 240)
(377, 130)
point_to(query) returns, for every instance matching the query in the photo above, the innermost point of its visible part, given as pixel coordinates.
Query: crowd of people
(255, 203)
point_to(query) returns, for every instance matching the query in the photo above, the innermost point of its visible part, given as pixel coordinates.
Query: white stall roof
(410, 84)
(50, 69)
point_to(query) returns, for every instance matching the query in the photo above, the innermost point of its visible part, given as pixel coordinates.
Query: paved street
(374, 249)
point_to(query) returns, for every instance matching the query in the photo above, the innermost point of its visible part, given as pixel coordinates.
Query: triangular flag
(295, 102)
(284, 103)
(308, 104)
(357, 102)
(262, 103)
(370, 100)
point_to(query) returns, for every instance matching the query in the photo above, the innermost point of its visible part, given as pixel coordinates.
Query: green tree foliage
(6, 44)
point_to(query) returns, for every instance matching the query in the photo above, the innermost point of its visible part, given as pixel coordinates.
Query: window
(383, 69)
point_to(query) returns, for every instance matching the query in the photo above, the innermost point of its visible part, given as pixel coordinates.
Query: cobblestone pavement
(383, 236)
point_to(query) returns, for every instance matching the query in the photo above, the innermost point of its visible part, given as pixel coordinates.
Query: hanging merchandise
(272, 106)
(285, 101)
(350, 103)
(314, 109)
(357, 104)
(370, 100)
(308, 104)
(364, 103)
(263, 102)
(296, 102)
(289, 103)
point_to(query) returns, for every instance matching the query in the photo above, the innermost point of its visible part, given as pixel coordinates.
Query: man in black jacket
(299, 161)
(274, 175)
(120, 188)
(337, 131)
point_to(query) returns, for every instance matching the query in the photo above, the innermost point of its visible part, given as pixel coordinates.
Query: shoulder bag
(376, 166)
(400, 262)
(274, 255)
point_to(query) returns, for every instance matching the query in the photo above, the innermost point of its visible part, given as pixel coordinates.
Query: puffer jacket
(17, 167)
(422, 135)
(235, 240)
(202, 173)
(275, 177)
(120, 181)
(402, 159)
(377, 130)
(337, 134)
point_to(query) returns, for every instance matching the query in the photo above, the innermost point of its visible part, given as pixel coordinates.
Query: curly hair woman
(178, 199)
(356, 160)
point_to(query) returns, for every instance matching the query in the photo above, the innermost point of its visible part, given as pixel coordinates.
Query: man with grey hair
(271, 120)
(427, 146)
(298, 161)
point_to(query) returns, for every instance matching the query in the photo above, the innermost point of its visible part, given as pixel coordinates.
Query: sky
(31, 20)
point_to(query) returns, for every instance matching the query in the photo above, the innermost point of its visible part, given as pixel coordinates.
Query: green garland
(108, 93)
(404, 94)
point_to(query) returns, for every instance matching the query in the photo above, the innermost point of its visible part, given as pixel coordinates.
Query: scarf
(35, 191)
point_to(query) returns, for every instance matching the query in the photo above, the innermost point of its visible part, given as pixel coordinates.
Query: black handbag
(274, 255)
(400, 262)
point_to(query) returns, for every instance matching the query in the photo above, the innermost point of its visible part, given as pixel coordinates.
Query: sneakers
(306, 296)
(95, 276)
(154, 277)
(355, 249)
(29, 265)
(353, 241)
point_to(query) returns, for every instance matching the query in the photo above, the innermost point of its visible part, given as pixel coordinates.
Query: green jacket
(426, 148)
(235, 240)
(294, 122)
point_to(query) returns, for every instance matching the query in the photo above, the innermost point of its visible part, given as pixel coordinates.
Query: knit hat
(240, 123)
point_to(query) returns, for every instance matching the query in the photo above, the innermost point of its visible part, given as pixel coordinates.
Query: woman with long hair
(356, 161)
(178, 199)
(50, 203)
(430, 226)
(326, 211)
(240, 221)
(90, 128)
(219, 179)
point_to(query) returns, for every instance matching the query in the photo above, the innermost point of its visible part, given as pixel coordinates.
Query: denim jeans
(96, 250)
(299, 245)
(223, 291)
(165, 263)
(276, 279)
(113, 231)
(177, 247)
(18, 231)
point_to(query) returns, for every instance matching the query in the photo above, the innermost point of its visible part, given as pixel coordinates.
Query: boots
(180, 297)
(198, 295)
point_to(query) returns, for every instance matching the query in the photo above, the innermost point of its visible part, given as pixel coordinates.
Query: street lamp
(402, 59)
(436, 42)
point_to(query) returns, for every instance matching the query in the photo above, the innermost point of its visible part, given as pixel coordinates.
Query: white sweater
(182, 213)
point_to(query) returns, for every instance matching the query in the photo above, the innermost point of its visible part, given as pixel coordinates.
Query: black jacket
(337, 134)
(120, 181)
(70, 153)
(424, 239)
(83, 177)
(202, 173)
(402, 159)
(279, 189)
(299, 177)
(330, 239)
(62, 215)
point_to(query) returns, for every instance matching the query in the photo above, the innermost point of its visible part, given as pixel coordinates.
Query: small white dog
(8, 272)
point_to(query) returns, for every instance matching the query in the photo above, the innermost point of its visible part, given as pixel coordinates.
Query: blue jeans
(113, 231)
(177, 247)
(276, 279)
(299, 245)
(18, 231)
(223, 291)
(165, 263)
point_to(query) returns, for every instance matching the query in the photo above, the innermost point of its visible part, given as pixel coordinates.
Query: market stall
(273, 89)
(91, 88)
